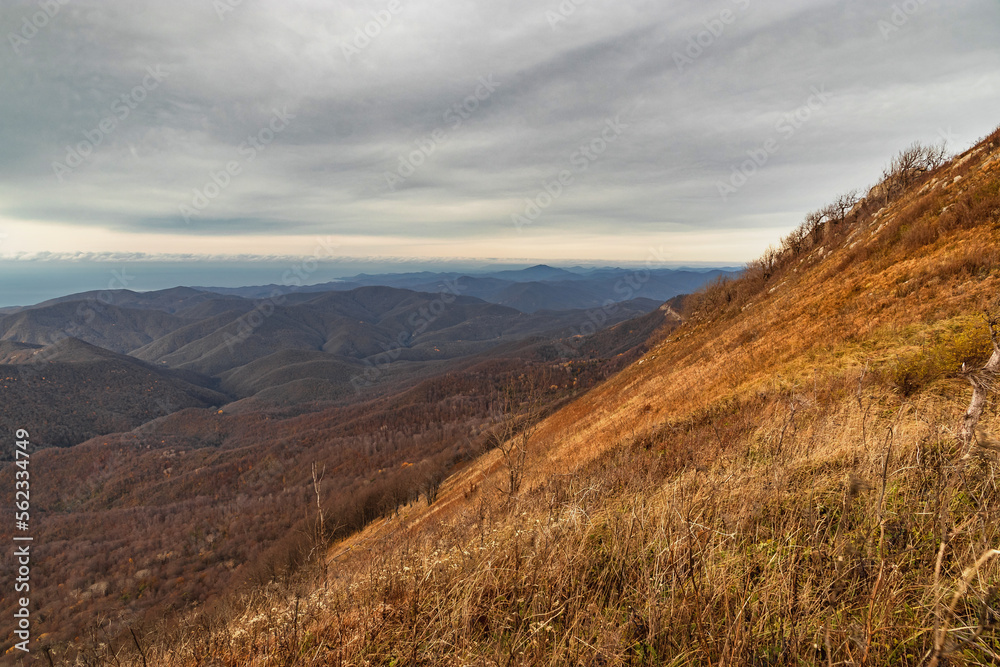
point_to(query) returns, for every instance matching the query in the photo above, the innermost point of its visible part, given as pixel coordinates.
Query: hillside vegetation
(194, 507)
(780, 481)
(71, 391)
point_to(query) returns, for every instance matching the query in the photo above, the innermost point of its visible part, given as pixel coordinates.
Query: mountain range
(540, 287)
(99, 362)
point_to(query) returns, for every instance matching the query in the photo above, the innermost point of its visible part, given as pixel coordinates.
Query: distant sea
(24, 283)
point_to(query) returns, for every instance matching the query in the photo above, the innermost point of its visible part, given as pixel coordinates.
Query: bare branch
(983, 382)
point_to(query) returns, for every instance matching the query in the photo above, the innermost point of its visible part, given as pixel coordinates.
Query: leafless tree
(837, 211)
(769, 261)
(317, 483)
(907, 166)
(433, 477)
(813, 224)
(515, 417)
(795, 242)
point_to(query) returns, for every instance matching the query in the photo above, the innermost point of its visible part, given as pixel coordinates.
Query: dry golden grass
(778, 483)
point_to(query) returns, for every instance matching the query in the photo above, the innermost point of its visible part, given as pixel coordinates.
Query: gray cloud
(934, 70)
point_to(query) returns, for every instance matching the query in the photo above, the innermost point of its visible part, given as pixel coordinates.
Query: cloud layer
(581, 128)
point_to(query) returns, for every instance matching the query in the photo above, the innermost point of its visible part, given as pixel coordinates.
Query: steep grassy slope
(779, 481)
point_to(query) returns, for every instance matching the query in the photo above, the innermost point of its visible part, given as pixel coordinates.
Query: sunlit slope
(874, 294)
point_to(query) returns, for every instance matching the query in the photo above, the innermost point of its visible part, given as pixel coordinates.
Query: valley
(175, 440)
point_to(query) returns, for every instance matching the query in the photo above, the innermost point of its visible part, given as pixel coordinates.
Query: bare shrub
(515, 415)
(904, 169)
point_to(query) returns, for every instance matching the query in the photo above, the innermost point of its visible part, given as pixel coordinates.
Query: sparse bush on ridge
(826, 226)
(904, 169)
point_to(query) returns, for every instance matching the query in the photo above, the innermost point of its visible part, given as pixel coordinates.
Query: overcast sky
(597, 130)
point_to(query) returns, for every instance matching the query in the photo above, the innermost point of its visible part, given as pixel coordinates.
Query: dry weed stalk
(941, 630)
